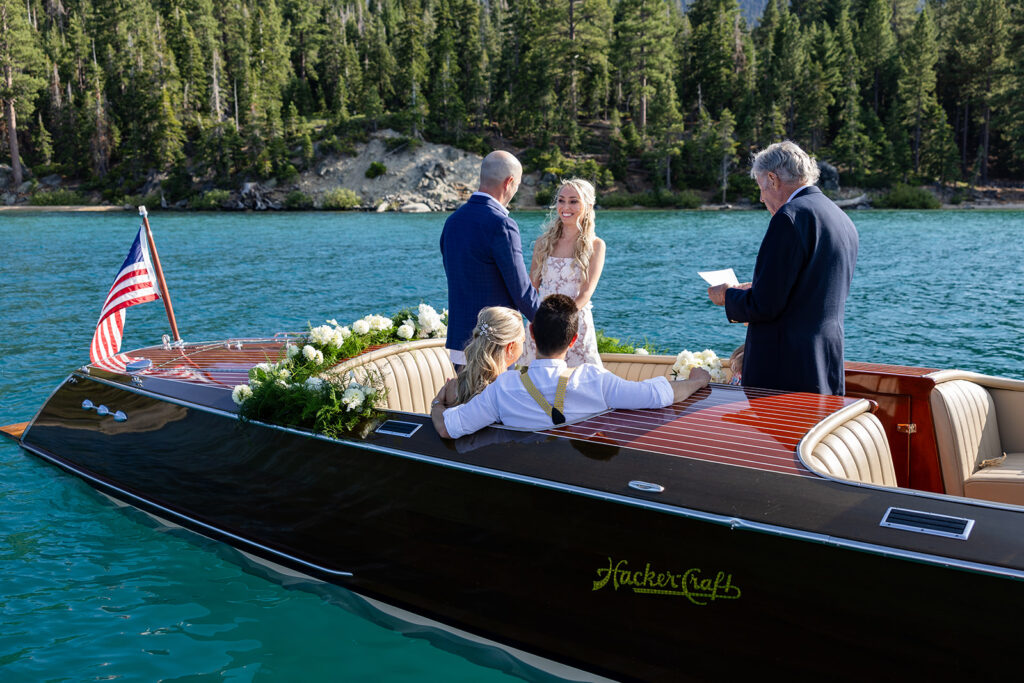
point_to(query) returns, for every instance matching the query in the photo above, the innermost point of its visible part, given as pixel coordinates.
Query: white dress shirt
(498, 205)
(795, 192)
(591, 390)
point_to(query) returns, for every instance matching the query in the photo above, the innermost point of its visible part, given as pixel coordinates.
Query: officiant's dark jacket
(797, 299)
(483, 261)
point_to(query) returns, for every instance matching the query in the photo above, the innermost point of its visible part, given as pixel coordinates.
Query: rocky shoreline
(407, 176)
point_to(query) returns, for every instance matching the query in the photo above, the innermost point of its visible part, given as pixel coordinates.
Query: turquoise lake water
(88, 593)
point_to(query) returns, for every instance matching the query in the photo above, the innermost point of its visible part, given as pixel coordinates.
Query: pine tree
(917, 80)
(983, 34)
(473, 59)
(876, 48)
(270, 69)
(727, 146)
(168, 135)
(822, 75)
(306, 34)
(1008, 114)
(44, 143)
(379, 68)
(851, 148)
(447, 109)
(20, 61)
(411, 53)
(719, 61)
(643, 40)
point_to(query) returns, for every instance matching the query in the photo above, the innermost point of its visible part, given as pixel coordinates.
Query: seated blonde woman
(497, 342)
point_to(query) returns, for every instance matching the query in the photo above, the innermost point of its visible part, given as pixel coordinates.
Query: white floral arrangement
(299, 390)
(286, 393)
(426, 323)
(706, 359)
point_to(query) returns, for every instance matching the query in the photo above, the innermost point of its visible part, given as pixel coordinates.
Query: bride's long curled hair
(553, 230)
(496, 327)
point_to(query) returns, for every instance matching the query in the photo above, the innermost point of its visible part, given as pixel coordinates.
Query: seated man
(524, 399)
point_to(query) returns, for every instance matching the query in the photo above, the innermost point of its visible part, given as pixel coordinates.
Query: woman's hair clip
(485, 330)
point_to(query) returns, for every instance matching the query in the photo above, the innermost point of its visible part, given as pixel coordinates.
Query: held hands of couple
(717, 292)
(448, 395)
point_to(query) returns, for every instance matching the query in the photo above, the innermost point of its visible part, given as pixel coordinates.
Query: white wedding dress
(561, 275)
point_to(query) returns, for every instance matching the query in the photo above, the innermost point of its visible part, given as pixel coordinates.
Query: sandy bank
(66, 209)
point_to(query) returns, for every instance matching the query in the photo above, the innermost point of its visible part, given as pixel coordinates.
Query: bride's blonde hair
(553, 229)
(496, 327)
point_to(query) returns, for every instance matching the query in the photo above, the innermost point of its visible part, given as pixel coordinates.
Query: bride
(567, 259)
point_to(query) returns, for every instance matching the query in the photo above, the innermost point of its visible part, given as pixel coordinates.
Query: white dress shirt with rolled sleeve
(591, 390)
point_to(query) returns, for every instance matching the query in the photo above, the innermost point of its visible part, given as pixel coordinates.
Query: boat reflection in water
(736, 532)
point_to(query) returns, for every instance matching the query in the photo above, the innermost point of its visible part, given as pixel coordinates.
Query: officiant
(796, 302)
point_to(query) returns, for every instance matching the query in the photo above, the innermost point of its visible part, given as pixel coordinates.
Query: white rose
(442, 330)
(319, 358)
(240, 393)
(641, 351)
(321, 335)
(428, 318)
(379, 323)
(406, 331)
(293, 350)
(255, 384)
(314, 384)
(308, 352)
(352, 398)
(332, 321)
(265, 367)
(361, 327)
(284, 373)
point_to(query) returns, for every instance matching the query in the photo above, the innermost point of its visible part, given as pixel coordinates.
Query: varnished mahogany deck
(739, 426)
(747, 427)
(217, 363)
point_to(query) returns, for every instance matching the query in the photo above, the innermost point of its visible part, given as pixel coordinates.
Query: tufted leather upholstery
(968, 434)
(413, 372)
(856, 449)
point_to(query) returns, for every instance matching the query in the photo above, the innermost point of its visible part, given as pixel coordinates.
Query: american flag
(134, 284)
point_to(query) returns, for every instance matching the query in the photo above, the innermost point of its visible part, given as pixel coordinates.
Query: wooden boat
(737, 532)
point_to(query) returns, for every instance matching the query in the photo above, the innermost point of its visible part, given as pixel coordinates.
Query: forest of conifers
(210, 93)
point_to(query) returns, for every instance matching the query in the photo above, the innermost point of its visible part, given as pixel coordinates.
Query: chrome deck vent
(928, 523)
(398, 428)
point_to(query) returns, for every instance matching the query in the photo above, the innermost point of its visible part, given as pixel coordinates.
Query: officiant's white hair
(786, 160)
(497, 166)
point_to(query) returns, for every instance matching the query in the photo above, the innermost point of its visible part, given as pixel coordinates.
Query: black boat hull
(587, 575)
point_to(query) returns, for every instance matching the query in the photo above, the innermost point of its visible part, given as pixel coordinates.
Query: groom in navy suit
(797, 301)
(483, 254)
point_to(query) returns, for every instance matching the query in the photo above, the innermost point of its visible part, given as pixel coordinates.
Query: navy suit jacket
(797, 299)
(483, 261)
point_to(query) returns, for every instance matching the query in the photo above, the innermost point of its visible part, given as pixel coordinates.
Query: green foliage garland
(301, 390)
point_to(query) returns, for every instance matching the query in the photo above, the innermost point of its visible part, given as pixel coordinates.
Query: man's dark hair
(555, 324)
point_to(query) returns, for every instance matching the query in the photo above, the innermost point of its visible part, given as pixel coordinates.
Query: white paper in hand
(720, 277)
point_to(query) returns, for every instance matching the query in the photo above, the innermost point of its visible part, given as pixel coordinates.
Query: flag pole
(159, 274)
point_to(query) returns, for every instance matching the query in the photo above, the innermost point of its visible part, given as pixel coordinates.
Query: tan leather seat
(854, 448)
(971, 441)
(413, 372)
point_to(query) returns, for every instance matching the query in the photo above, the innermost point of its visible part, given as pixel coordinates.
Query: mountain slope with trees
(198, 95)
